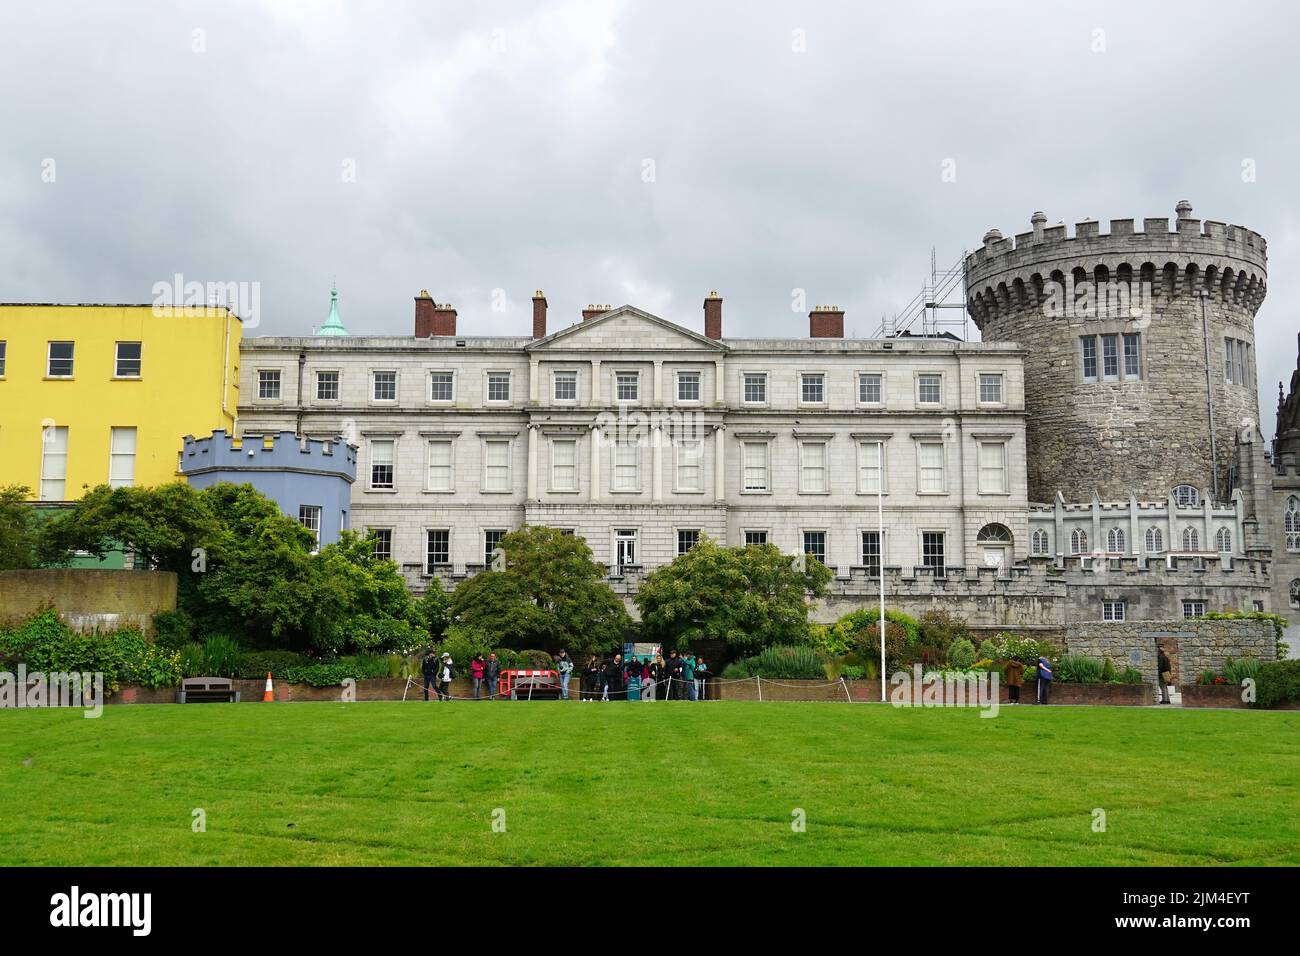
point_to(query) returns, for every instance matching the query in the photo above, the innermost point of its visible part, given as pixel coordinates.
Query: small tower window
(1186, 496)
(1293, 524)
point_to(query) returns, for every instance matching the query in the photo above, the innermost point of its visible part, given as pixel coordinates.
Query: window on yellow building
(128, 360)
(59, 363)
(121, 458)
(54, 462)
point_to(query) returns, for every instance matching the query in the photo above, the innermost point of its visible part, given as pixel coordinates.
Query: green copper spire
(333, 325)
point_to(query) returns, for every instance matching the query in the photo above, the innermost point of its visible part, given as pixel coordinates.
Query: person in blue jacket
(1044, 680)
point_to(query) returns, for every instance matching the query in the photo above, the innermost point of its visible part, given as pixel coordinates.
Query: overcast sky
(640, 152)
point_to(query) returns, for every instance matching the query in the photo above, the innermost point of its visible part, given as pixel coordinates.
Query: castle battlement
(282, 451)
(1190, 237)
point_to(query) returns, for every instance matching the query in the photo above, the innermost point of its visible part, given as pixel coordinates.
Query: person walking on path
(446, 673)
(429, 670)
(1044, 680)
(701, 678)
(1164, 672)
(477, 669)
(590, 677)
(1015, 671)
(564, 664)
(688, 675)
(492, 674)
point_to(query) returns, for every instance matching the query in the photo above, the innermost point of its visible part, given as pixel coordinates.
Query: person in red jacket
(477, 667)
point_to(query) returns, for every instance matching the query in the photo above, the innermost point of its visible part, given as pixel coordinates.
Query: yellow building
(95, 394)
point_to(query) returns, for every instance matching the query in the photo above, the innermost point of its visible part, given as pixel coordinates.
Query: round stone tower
(1119, 330)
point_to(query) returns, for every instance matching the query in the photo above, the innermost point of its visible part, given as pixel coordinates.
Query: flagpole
(880, 516)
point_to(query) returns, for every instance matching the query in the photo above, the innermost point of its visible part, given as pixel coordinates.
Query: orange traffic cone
(269, 694)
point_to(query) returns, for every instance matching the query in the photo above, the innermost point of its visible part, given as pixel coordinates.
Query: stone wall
(1201, 644)
(88, 599)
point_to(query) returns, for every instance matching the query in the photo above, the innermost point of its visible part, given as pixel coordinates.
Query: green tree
(750, 597)
(549, 594)
(20, 530)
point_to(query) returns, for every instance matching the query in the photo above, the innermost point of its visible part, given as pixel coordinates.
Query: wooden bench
(207, 690)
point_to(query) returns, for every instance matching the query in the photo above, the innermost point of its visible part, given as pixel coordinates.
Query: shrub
(961, 655)
(462, 643)
(172, 629)
(789, 663)
(220, 656)
(940, 630)
(1129, 675)
(1240, 670)
(1108, 671)
(738, 670)
(45, 643)
(256, 664)
(533, 660)
(510, 659)
(1278, 682)
(853, 672)
(1004, 645)
(1207, 677)
(1077, 669)
(191, 660)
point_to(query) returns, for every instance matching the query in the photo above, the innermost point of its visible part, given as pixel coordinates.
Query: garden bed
(1211, 695)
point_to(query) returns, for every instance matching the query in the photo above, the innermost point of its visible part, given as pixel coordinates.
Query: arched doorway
(994, 545)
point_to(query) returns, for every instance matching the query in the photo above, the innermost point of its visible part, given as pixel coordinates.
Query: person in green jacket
(688, 675)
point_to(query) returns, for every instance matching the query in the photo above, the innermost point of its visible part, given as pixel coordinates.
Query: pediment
(626, 329)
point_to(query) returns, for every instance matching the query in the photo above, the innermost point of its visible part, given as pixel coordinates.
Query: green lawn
(662, 783)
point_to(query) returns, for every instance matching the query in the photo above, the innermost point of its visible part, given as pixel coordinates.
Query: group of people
(1014, 672)
(651, 677)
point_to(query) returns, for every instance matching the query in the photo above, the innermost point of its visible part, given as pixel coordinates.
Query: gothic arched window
(1039, 542)
(1155, 540)
(1293, 524)
(1115, 541)
(1191, 540)
(1223, 541)
(1186, 496)
(1078, 541)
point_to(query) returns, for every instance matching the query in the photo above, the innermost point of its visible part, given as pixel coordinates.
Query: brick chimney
(591, 311)
(433, 318)
(539, 315)
(826, 322)
(713, 316)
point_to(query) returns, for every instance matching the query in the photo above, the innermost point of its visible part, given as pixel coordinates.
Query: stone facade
(1193, 645)
(1103, 426)
(638, 434)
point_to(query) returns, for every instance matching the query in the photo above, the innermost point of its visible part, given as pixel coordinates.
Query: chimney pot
(826, 322)
(433, 318)
(539, 315)
(713, 316)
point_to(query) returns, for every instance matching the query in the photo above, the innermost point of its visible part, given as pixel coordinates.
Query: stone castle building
(1095, 459)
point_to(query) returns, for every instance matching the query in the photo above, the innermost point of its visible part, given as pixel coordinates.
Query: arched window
(1115, 541)
(1039, 542)
(1293, 524)
(1078, 541)
(994, 534)
(1155, 540)
(1191, 540)
(1295, 593)
(1223, 541)
(1186, 496)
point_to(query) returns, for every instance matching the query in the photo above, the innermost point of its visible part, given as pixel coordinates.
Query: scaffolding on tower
(931, 311)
